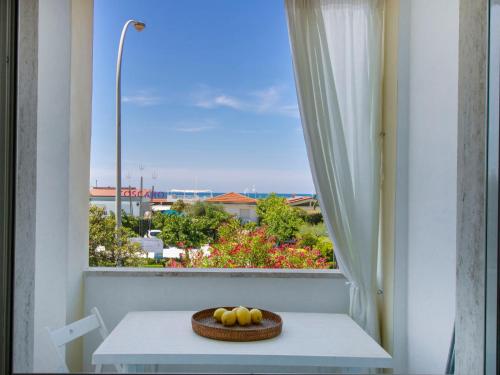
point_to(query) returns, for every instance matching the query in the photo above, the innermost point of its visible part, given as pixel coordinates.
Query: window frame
(8, 104)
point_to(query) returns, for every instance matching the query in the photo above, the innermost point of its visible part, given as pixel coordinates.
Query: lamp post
(139, 26)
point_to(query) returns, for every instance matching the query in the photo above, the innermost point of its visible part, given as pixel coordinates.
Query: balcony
(117, 291)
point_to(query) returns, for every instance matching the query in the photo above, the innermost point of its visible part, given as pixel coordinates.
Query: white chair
(61, 336)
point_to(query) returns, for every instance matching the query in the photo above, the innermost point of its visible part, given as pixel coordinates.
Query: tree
(209, 218)
(182, 231)
(157, 220)
(281, 220)
(179, 205)
(131, 222)
(108, 246)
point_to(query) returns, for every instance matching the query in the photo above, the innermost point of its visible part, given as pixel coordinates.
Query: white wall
(62, 160)
(82, 17)
(115, 293)
(110, 205)
(54, 54)
(235, 209)
(432, 172)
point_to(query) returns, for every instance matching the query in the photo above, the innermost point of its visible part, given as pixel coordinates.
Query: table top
(307, 339)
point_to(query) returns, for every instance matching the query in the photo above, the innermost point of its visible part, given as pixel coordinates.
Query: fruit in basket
(218, 313)
(243, 316)
(256, 316)
(228, 318)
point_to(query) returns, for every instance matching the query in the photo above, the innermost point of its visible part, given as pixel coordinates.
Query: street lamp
(139, 26)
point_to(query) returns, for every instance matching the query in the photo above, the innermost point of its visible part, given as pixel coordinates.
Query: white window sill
(214, 272)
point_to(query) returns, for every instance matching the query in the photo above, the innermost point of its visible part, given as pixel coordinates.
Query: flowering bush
(241, 248)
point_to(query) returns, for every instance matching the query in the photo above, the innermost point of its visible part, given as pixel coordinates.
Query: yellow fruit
(218, 313)
(256, 315)
(228, 318)
(243, 316)
(236, 308)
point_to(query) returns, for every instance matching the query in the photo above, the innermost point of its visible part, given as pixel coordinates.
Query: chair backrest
(61, 336)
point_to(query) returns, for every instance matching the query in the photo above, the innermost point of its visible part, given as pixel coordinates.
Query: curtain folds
(337, 50)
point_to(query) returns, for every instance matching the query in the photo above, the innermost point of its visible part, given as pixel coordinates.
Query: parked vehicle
(153, 233)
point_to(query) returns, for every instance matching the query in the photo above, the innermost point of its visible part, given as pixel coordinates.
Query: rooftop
(109, 191)
(232, 198)
(298, 200)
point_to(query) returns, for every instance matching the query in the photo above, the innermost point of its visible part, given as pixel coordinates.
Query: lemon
(218, 313)
(256, 316)
(228, 318)
(243, 316)
(236, 308)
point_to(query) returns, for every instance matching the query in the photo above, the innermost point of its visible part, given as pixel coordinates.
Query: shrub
(281, 220)
(179, 205)
(316, 237)
(131, 222)
(182, 230)
(313, 218)
(255, 249)
(109, 247)
(197, 226)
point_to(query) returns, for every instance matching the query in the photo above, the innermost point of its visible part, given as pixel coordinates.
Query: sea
(250, 195)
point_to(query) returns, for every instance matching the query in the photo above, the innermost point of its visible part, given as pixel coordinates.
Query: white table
(309, 341)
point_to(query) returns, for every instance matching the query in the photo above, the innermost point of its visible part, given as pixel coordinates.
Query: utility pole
(131, 208)
(141, 168)
(154, 177)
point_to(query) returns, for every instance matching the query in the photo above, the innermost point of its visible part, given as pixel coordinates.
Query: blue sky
(208, 96)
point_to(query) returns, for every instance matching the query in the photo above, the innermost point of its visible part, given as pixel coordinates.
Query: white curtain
(337, 49)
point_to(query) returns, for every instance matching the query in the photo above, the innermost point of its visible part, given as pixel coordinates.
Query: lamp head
(139, 26)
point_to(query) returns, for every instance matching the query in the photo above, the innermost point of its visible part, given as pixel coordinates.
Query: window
(210, 128)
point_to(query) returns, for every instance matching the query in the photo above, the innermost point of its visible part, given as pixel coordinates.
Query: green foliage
(157, 220)
(209, 218)
(315, 230)
(316, 237)
(132, 223)
(182, 231)
(325, 246)
(109, 247)
(281, 220)
(197, 227)
(230, 230)
(179, 205)
(313, 218)
(250, 226)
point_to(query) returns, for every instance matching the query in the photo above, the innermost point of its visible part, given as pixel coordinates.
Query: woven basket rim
(236, 333)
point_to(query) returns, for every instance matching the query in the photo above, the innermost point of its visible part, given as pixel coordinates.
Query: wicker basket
(204, 324)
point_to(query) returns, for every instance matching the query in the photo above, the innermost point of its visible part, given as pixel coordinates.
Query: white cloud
(195, 129)
(143, 98)
(196, 126)
(266, 101)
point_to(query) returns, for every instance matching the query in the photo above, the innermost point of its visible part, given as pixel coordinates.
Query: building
(104, 197)
(308, 204)
(240, 205)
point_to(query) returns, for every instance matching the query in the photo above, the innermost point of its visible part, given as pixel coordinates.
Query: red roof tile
(232, 198)
(158, 200)
(298, 200)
